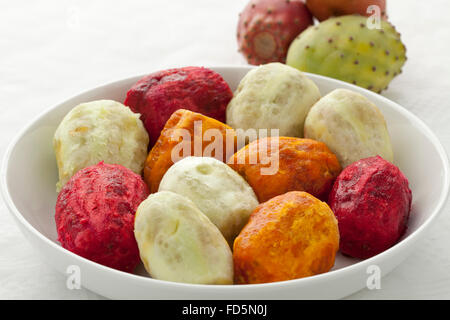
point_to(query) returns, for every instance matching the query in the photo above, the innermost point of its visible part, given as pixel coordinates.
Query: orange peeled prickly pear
(291, 236)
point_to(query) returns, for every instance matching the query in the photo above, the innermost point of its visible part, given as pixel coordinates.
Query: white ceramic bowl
(29, 174)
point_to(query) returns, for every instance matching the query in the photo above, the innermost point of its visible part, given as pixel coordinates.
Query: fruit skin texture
(350, 125)
(345, 49)
(94, 215)
(372, 201)
(177, 242)
(303, 165)
(273, 96)
(291, 236)
(158, 95)
(324, 9)
(171, 140)
(267, 27)
(216, 189)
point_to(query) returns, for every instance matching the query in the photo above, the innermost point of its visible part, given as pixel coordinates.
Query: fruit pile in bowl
(351, 41)
(209, 186)
(315, 197)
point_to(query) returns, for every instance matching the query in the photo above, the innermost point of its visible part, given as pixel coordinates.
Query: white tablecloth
(50, 50)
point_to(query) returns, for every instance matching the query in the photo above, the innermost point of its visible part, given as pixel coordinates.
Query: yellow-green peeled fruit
(177, 242)
(217, 190)
(102, 130)
(345, 48)
(273, 96)
(350, 125)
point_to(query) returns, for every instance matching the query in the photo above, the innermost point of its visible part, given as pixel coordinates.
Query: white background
(51, 50)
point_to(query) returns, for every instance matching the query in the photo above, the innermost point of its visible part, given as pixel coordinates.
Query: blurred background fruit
(267, 27)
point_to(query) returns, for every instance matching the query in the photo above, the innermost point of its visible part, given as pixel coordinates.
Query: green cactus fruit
(345, 48)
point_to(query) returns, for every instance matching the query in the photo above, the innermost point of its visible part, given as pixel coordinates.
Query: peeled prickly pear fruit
(216, 189)
(177, 242)
(273, 96)
(350, 125)
(266, 28)
(346, 49)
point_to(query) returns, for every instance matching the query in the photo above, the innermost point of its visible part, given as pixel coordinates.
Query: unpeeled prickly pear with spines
(266, 28)
(346, 49)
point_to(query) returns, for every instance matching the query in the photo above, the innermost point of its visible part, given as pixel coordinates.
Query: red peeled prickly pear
(266, 28)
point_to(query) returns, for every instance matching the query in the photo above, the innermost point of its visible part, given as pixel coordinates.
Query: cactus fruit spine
(346, 49)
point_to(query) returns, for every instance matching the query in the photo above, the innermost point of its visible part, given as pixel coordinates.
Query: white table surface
(51, 50)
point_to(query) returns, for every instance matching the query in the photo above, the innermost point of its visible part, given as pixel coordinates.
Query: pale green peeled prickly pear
(345, 48)
(177, 242)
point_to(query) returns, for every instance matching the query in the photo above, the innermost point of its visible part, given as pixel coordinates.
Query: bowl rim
(178, 285)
